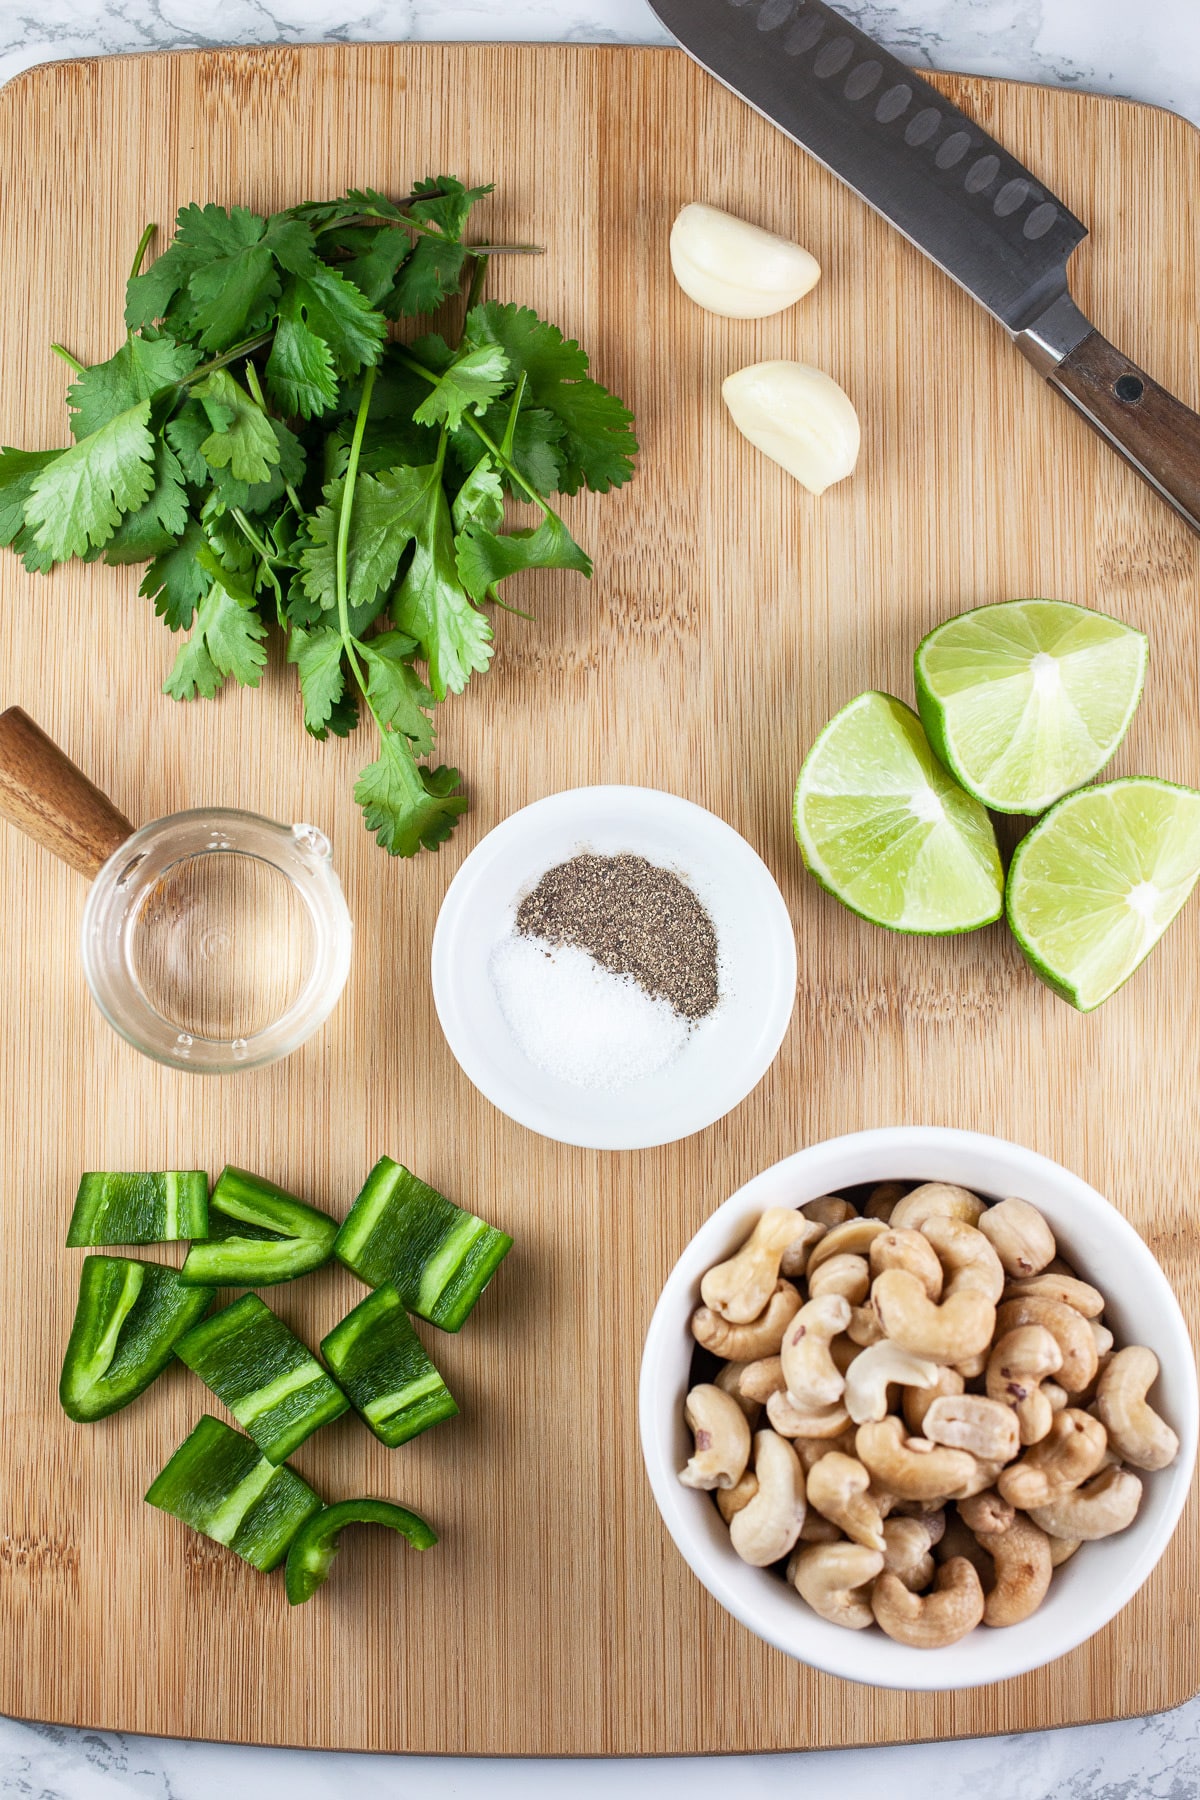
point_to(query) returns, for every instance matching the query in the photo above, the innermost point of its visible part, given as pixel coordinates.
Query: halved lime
(883, 827)
(1098, 880)
(1026, 700)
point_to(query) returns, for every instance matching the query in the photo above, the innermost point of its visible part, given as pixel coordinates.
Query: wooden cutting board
(729, 616)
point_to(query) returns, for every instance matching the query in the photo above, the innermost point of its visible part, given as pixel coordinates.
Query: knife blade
(956, 194)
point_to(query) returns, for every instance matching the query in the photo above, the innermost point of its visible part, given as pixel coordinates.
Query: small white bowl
(1086, 1592)
(726, 1054)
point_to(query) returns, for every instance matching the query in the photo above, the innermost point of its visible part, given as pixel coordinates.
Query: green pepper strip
(139, 1207)
(382, 1364)
(258, 1235)
(317, 1542)
(270, 1381)
(128, 1319)
(217, 1483)
(402, 1232)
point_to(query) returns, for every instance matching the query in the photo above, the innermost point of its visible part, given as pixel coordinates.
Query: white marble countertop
(1149, 51)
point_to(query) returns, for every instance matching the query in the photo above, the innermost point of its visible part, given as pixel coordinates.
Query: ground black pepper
(635, 919)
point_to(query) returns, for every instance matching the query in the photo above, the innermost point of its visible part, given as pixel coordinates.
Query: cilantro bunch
(283, 463)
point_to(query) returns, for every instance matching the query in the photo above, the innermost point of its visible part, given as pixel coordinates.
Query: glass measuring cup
(213, 940)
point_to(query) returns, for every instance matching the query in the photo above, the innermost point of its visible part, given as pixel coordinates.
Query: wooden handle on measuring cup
(53, 802)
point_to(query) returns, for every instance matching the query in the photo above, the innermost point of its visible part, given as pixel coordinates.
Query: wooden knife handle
(52, 801)
(1155, 432)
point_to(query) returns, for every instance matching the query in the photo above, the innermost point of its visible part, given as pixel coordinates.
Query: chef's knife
(955, 193)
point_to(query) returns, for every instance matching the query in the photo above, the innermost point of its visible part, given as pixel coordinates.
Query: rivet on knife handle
(1158, 434)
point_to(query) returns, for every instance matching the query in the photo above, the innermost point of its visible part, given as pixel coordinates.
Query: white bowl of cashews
(945, 1643)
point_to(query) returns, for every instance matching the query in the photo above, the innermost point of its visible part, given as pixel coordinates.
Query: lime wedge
(883, 828)
(1098, 880)
(1027, 700)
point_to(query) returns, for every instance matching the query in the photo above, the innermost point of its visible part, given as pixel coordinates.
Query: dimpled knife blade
(959, 196)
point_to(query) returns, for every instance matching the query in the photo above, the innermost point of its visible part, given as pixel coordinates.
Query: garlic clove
(799, 417)
(736, 269)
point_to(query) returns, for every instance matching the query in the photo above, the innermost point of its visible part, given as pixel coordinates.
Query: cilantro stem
(510, 430)
(72, 361)
(143, 246)
(478, 277)
(245, 348)
(347, 508)
(489, 443)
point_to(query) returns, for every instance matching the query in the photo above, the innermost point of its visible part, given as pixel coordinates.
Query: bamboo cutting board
(730, 615)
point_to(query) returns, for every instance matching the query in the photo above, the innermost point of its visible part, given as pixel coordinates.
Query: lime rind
(884, 829)
(1026, 700)
(1096, 883)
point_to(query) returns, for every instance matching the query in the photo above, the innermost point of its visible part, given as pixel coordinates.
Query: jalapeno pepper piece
(128, 1319)
(384, 1367)
(135, 1207)
(258, 1234)
(217, 1483)
(271, 1382)
(317, 1542)
(403, 1233)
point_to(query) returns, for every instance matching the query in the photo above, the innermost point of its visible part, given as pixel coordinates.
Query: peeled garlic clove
(737, 269)
(799, 417)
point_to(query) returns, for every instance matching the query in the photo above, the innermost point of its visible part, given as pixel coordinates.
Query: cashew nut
(740, 1288)
(1020, 1552)
(730, 1378)
(1105, 1505)
(816, 1529)
(792, 1421)
(1019, 1362)
(911, 1468)
(1062, 1550)
(829, 1210)
(811, 1450)
(930, 1621)
(1069, 1328)
(831, 1576)
(986, 1428)
(846, 1275)
(768, 1525)
(748, 1343)
(909, 1250)
(940, 1199)
(794, 1260)
(864, 1328)
(1068, 1289)
(917, 1401)
(1104, 1342)
(854, 1238)
(874, 1370)
(884, 1199)
(1134, 1429)
(812, 1377)
(961, 1326)
(958, 1541)
(907, 1546)
(731, 1500)
(838, 1486)
(1057, 1396)
(761, 1379)
(971, 1264)
(1020, 1237)
(722, 1439)
(1071, 1451)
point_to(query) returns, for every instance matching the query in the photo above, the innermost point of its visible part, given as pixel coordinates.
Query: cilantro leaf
(75, 501)
(142, 367)
(445, 203)
(473, 379)
(427, 278)
(533, 449)
(332, 309)
(300, 375)
(318, 657)
(374, 259)
(159, 521)
(484, 559)
(241, 438)
(597, 445)
(481, 496)
(227, 640)
(18, 469)
(388, 511)
(407, 806)
(399, 698)
(176, 581)
(432, 607)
